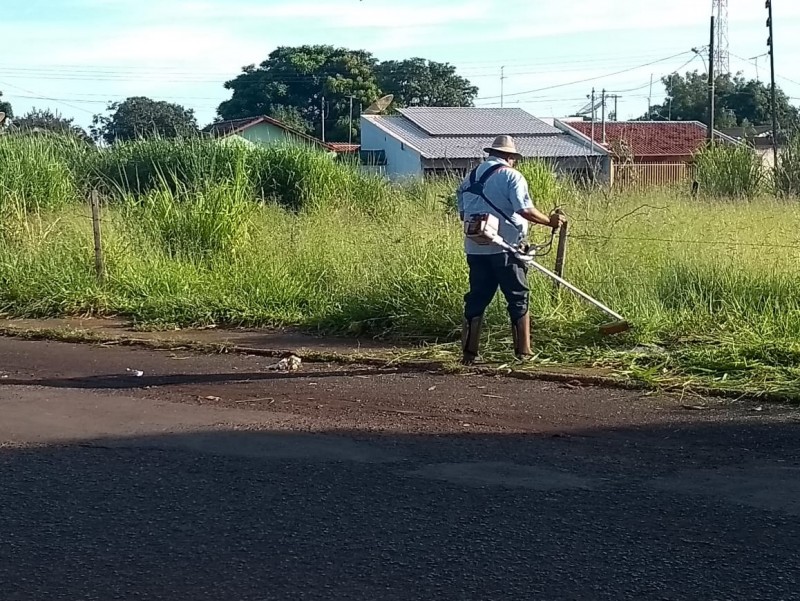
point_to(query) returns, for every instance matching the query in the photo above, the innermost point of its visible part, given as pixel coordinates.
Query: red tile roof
(343, 147)
(649, 138)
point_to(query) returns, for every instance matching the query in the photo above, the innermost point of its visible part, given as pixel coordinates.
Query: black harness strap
(477, 187)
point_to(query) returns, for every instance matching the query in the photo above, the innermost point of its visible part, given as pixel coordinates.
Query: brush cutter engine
(482, 228)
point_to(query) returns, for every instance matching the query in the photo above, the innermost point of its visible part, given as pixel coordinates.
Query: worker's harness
(482, 228)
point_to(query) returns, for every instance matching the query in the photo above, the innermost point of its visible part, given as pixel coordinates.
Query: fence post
(561, 251)
(99, 266)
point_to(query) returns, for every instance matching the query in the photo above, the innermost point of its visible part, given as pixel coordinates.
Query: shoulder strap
(490, 172)
(477, 188)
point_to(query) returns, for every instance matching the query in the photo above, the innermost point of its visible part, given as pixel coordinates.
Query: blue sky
(75, 55)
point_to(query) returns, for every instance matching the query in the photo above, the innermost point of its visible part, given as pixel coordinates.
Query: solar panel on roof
(444, 121)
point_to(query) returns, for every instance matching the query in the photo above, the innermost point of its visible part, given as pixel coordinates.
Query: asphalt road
(215, 478)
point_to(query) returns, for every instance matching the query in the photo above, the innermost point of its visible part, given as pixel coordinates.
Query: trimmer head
(614, 327)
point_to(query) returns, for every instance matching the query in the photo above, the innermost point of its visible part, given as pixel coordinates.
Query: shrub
(727, 171)
(786, 176)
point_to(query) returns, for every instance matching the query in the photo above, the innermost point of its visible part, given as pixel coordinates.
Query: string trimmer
(487, 228)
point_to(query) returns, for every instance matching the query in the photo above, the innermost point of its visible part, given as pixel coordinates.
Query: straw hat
(504, 144)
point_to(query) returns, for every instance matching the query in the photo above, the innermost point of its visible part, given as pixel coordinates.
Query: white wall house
(425, 141)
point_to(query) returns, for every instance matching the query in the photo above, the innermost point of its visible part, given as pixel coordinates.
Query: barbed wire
(593, 238)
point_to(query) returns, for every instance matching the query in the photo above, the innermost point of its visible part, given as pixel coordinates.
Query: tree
(141, 117)
(291, 116)
(419, 82)
(737, 101)
(5, 107)
(292, 83)
(300, 81)
(45, 120)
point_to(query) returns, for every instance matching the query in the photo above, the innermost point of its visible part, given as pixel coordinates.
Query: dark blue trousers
(486, 274)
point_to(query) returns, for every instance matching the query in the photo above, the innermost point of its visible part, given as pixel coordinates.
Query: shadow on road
(128, 381)
(678, 512)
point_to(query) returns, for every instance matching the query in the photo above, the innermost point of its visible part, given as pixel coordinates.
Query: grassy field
(205, 233)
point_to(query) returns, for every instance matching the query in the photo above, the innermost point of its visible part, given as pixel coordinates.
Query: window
(372, 158)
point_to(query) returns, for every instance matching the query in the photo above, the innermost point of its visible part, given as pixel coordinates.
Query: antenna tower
(722, 55)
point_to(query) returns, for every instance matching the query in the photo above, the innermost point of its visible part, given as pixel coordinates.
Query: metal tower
(722, 55)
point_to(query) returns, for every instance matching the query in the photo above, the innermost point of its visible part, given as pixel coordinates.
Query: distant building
(419, 142)
(647, 153)
(760, 138)
(262, 131)
(649, 142)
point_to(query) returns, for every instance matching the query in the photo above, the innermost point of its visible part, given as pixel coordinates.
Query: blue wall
(401, 161)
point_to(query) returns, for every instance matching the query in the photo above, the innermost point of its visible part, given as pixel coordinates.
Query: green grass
(725, 171)
(284, 237)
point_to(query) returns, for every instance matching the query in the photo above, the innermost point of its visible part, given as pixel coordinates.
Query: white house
(424, 141)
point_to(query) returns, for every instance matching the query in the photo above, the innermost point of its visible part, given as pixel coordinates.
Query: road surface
(217, 478)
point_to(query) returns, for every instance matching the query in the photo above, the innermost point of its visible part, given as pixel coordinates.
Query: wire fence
(729, 243)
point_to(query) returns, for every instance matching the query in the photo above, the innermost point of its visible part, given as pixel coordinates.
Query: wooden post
(561, 250)
(98, 247)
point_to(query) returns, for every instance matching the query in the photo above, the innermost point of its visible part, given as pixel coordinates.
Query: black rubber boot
(521, 334)
(471, 340)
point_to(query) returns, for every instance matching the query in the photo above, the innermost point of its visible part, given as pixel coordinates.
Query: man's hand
(557, 220)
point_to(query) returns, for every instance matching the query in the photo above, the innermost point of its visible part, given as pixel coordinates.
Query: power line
(647, 85)
(489, 66)
(92, 74)
(72, 106)
(753, 62)
(588, 79)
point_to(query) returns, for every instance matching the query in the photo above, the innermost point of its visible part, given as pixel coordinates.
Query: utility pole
(350, 131)
(502, 86)
(322, 109)
(616, 107)
(711, 82)
(650, 100)
(594, 113)
(604, 115)
(774, 101)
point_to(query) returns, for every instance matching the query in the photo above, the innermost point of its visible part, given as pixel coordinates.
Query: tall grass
(547, 189)
(726, 171)
(39, 172)
(282, 237)
(787, 172)
(295, 177)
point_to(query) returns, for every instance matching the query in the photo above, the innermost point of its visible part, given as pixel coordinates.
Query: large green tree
(302, 81)
(46, 120)
(292, 83)
(141, 117)
(420, 82)
(738, 101)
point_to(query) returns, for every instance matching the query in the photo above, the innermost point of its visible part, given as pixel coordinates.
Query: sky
(74, 56)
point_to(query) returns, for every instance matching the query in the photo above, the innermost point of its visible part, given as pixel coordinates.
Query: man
(504, 195)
